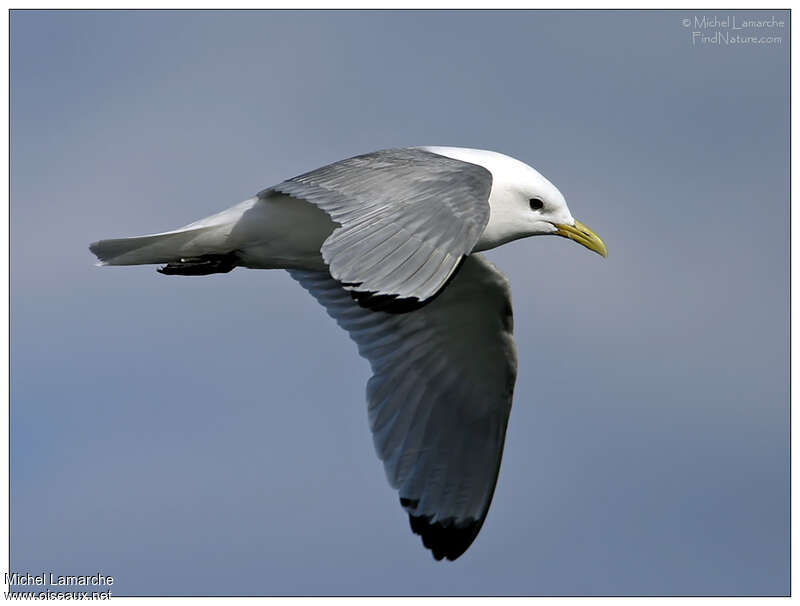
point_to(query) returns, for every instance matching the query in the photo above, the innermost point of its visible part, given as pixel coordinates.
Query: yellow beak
(582, 235)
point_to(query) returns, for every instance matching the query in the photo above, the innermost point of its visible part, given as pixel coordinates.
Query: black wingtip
(393, 304)
(445, 540)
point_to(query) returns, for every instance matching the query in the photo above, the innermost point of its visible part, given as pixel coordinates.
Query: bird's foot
(200, 266)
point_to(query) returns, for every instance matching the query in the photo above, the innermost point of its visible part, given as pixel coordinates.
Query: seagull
(386, 242)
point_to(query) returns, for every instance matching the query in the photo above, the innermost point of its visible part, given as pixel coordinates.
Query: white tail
(159, 248)
(209, 236)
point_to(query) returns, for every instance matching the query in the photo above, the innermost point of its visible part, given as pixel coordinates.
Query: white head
(523, 203)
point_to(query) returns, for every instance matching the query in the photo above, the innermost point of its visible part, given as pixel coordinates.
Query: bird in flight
(386, 242)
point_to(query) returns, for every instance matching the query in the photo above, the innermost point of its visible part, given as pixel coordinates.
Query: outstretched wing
(407, 217)
(439, 398)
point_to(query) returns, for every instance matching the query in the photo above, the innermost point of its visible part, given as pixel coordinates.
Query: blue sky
(209, 436)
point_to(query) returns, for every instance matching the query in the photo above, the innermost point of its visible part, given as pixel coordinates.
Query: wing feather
(439, 398)
(400, 211)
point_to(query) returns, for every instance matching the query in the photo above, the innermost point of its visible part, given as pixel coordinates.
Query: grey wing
(407, 217)
(439, 398)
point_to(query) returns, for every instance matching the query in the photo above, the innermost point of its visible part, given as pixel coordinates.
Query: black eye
(536, 204)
